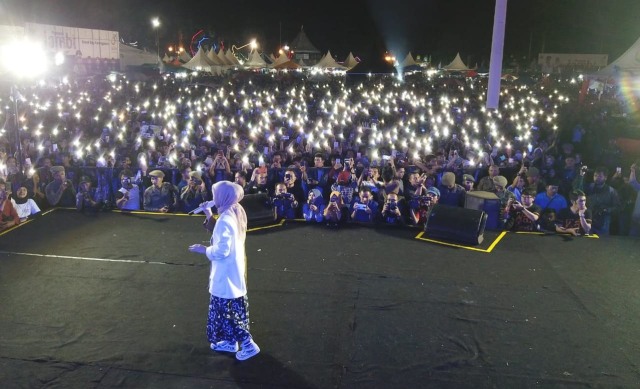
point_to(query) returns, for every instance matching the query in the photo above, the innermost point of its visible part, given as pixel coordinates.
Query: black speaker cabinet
(456, 224)
(487, 202)
(259, 209)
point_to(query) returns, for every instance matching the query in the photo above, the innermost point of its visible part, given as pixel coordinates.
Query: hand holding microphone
(202, 207)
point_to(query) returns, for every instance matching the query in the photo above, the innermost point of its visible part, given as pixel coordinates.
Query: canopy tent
(624, 71)
(628, 62)
(279, 61)
(175, 63)
(351, 61)
(289, 64)
(273, 58)
(131, 56)
(327, 62)
(409, 64)
(213, 57)
(456, 64)
(200, 62)
(166, 58)
(223, 58)
(231, 59)
(174, 66)
(184, 57)
(409, 61)
(255, 60)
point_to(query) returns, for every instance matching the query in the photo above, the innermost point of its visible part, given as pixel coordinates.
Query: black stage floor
(116, 300)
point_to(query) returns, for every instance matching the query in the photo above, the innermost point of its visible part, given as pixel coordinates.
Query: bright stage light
(33, 62)
(59, 58)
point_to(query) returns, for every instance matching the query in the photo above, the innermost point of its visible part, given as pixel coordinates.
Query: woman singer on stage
(228, 321)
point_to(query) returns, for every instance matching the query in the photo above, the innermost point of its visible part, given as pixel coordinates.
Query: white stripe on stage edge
(83, 258)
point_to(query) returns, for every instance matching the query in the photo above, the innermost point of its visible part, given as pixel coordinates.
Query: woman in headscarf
(313, 209)
(228, 321)
(25, 206)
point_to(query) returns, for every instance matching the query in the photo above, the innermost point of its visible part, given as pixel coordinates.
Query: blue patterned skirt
(228, 320)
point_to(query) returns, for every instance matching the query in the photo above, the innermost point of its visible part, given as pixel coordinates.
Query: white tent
(130, 56)
(223, 58)
(327, 62)
(351, 61)
(255, 60)
(280, 60)
(199, 62)
(184, 57)
(283, 62)
(231, 58)
(456, 64)
(166, 58)
(408, 60)
(629, 62)
(214, 57)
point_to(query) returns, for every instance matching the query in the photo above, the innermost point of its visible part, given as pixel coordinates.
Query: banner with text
(79, 42)
(550, 62)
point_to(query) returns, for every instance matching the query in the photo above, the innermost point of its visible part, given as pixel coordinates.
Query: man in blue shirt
(550, 198)
(364, 209)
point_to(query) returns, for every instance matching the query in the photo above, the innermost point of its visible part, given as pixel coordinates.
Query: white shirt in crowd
(26, 209)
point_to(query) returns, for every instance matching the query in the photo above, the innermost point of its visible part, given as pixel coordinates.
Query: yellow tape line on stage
(487, 250)
(16, 226)
(265, 227)
(592, 236)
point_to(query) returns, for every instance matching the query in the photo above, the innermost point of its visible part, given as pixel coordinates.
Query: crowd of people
(322, 150)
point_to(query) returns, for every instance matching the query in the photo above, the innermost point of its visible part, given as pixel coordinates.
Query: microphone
(201, 208)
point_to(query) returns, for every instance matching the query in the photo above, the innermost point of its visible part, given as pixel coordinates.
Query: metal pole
(14, 94)
(497, 47)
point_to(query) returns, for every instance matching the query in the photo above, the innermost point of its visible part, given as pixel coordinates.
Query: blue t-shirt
(361, 215)
(557, 202)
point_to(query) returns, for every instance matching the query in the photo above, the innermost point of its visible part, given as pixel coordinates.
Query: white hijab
(226, 197)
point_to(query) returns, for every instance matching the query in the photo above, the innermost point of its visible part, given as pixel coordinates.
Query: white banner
(79, 42)
(578, 61)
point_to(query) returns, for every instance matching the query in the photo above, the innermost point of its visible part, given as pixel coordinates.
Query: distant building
(304, 52)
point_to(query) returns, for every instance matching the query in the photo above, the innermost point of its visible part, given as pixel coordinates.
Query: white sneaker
(225, 346)
(248, 351)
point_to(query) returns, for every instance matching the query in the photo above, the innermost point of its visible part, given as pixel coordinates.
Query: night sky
(425, 27)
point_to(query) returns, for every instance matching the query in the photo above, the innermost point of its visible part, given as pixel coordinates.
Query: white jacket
(228, 259)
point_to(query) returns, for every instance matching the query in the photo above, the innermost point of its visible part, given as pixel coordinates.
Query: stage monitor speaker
(259, 209)
(485, 201)
(456, 224)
